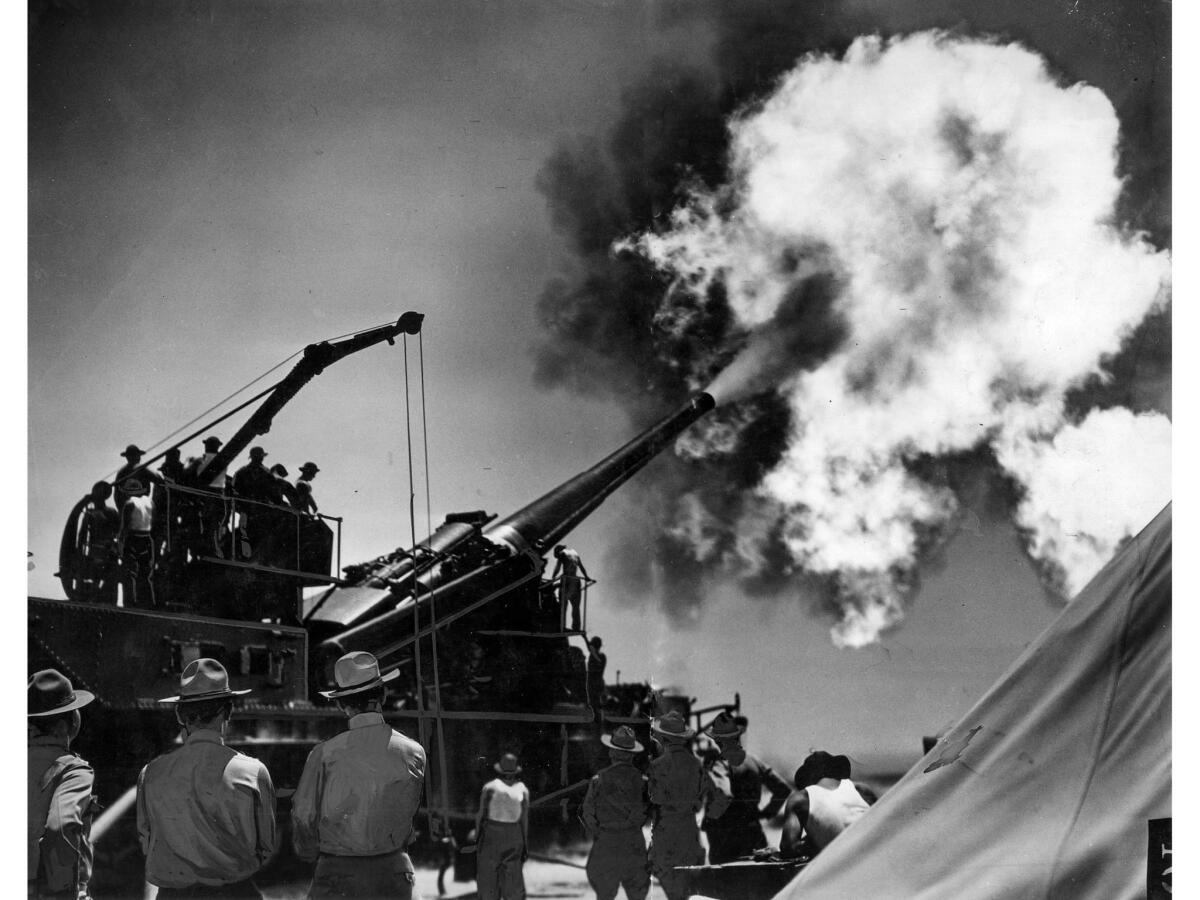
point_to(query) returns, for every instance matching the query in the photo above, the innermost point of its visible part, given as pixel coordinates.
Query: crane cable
(412, 524)
(443, 778)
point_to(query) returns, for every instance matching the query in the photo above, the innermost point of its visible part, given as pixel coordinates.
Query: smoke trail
(941, 213)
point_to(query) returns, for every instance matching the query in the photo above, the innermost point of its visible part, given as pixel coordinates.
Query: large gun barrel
(486, 564)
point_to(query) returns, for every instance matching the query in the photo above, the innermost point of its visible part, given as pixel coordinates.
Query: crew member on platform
(308, 472)
(679, 788)
(205, 813)
(742, 777)
(354, 805)
(570, 588)
(207, 513)
(502, 833)
(172, 468)
(286, 489)
(596, 663)
(60, 790)
(98, 532)
(824, 804)
(132, 478)
(614, 811)
(136, 547)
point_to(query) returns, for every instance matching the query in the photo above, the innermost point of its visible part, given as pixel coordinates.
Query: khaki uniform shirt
(206, 814)
(680, 786)
(60, 853)
(616, 800)
(359, 792)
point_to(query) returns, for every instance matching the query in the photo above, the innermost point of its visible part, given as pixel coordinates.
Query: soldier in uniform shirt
(614, 811)
(738, 833)
(679, 788)
(205, 813)
(354, 805)
(60, 791)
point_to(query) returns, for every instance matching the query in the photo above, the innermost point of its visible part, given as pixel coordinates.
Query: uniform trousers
(618, 860)
(501, 847)
(732, 840)
(388, 875)
(675, 841)
(238, 890)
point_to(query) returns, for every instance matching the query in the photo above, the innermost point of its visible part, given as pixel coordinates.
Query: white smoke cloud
(962, 202)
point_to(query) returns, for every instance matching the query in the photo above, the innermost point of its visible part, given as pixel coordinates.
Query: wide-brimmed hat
(508, 765)
(257, 452)
(818, 765)
(622, 739)
(672, 725)
(356, 672)
(310, 467)
(51, 693)
(133, 450)
(212, 442)
(203, 679)
(725, 727)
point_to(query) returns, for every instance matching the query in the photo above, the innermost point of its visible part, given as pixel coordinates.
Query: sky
(212, 186)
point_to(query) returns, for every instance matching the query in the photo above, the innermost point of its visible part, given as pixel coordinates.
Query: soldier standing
(60, 790)
(132, 478)
(205, 813)
(308, 472)
(570, 589)
(679, 788)
(742, 777)
(354, 805)
(502, 829)
(614, 811)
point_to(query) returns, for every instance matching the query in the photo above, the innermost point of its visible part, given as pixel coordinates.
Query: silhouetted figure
(570, 589)
(824, 804)
(614, 811)
(502, 833)
(132, 478)
(99, 527)
(60, 790)
(287, 490)
(255, 482)
(172, 469)
(679, 788)
(739, 832)
(210, 511)
(304, 493)
(596, 662)
(136, 548)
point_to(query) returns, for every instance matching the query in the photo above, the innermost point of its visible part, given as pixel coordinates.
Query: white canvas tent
(1044, 789)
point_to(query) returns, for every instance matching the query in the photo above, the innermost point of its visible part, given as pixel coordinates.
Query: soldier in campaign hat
(60, 790)
(308, 472)
(679, 788)
(614, 811)
(354, 805)
(205, 813)
(502, 829)
(824, 804)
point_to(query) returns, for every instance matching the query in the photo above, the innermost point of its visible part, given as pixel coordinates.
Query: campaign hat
(310, 467)
(51, 693)
(257, 452)
(508, 765)
(133, 450)
(672, 725)
(818, 765)
(355, 672)
(212, 442)
(203, 679)
(622, 739)
(725, 727)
